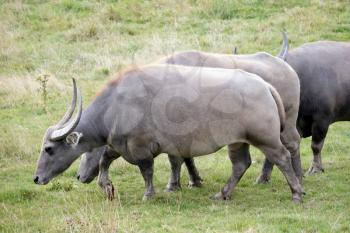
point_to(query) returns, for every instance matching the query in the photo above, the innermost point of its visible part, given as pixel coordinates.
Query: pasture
(43, 44)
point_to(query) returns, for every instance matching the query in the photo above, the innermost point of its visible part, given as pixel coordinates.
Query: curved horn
(71, 108)
(285, 46)
(234, 51)
(71, 124)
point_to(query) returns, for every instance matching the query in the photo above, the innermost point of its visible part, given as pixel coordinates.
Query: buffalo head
(61, 143)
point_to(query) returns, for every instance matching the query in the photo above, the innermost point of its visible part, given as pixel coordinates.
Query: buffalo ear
(73, 138)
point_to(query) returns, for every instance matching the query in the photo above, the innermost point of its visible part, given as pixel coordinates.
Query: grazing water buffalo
(178, 110)
(104, 156)
(90, 162)
(324, 72)
(271, 69)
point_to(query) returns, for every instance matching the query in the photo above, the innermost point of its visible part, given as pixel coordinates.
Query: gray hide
(324, 71)
(271, 69)
(178, 110)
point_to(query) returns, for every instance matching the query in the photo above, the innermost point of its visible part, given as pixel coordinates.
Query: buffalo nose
(36, 179)
(78, 177)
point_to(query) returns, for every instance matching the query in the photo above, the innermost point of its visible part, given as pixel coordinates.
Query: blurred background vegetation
(92, 40)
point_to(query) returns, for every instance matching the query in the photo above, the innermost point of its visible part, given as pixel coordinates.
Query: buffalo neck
(91, 124)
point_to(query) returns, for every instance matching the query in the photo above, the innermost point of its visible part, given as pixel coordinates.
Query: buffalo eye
(49, 150)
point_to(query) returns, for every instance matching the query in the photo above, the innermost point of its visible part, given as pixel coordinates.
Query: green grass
(91, 40)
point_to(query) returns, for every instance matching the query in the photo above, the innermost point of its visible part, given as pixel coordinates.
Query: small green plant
(43, 79)
(60, 186)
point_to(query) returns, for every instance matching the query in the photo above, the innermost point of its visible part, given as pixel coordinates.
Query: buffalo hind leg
(241, 161)
(266, 171)
(291, 140)
(319, 132)
(195, 179)
(104, 182)
(281, 157)
(174, 180)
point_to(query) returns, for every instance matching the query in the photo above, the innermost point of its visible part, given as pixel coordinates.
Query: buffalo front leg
(195, 179)
(175, 176)
(319, 132)
(240, 158)
(146, 169)
(174, 180)
(104, 182)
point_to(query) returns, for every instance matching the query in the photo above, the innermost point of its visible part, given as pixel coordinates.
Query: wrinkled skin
(271, 69)
(324, 72)
(185, 112)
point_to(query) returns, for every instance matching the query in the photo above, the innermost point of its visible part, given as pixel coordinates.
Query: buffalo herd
(193, 103)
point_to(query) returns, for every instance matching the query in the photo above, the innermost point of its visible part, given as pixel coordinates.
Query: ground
(92, 40)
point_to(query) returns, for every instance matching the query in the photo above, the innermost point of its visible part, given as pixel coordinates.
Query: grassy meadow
(91, 40)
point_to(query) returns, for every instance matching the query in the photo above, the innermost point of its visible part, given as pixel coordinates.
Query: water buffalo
(90, 162)
(270, 68)
(101, 158)
(324, 71)
(178, 110)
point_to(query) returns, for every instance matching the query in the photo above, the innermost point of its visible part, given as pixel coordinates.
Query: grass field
(91, 40)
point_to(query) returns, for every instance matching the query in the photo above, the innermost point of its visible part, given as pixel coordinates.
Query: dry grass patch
(14, 90)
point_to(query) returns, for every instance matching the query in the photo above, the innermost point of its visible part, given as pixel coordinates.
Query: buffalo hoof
(147, 197)
(172, 187)
(109, 190)
(297, 199)
(315, 168)
(220, 196)
(263, 179)
(195, 184)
